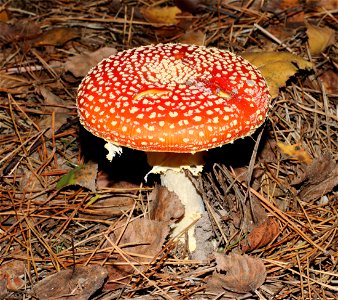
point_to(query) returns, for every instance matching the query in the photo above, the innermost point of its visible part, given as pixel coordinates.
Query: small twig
(271, 36)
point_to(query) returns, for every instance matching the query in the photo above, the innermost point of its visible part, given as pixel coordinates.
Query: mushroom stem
(172, 168)
(181, 185)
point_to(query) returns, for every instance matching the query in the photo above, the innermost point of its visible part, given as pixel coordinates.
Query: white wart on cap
(173, 98)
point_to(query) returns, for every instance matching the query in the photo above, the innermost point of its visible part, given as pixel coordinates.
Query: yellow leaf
(276, 67)
(4, 16)
(162, 16)
(295, 152)
(319, 38)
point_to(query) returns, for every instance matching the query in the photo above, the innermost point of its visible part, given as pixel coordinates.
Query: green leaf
(83, 175)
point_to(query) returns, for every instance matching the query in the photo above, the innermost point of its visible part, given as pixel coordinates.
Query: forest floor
(75, 226)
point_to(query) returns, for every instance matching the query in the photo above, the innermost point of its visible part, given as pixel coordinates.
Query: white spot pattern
(173, 97)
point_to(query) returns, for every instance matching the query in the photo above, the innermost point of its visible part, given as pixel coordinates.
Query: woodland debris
(72, 284)
(261, 235)
(318, 178)
(237, 273)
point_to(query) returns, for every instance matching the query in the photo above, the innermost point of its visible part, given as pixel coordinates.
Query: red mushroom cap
(173, 98)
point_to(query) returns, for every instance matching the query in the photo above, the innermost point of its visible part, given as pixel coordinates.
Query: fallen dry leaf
(3, 291)
(330, 79)
(14, 84)
(318, 178)
(279, 6)
(319, 38)
(54, 104)
(21, 30)
(106, 207)
(142, 239)
(251, 214)
(281, 32)
(260, 235)
(84, 175)
(79, 65)
(165, 205)
(237, 273)
(320, 169)
(295, 152)
(276, 67)
(51, 100)
(57, 36)
(104, 181)
(323, 5)
(292, 8)
(161, 16)
(77, 284)
(4, 15)
(103, 206)
(10, 277)
(193, 37)
(268, 152)
(141, 236)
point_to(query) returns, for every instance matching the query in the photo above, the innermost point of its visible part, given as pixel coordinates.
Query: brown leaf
(293, 9)
(10, 276)
(321, 168)
(76, 284)
(243, 273)
(330, 79)
(319, 38)
(165, 205)
(319, 178)
(280, 5)
(20, 31)
(276, 67)
(141, 237)
(83, 175)
(323, 5)
(57, 36)
(107, 207)
(260, 235)
(268, 153)
(162, 16)
(4, 15)
(3, 290)
(80, 64)
(253, 213)
(193, 37)
(13, 84)
(53, 104)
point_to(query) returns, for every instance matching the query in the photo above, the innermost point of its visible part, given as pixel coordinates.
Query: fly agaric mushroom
(173, 98)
